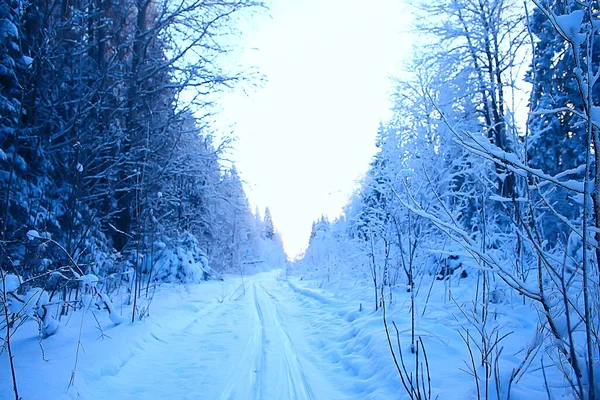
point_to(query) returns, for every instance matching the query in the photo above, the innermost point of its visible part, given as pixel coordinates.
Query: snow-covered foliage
(461, 190)
(10, 284)
(111, 182)
(99, 168)
(181, 261)
(113, 185)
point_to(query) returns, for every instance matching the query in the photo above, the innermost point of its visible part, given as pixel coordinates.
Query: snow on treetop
(8, 29)
(570, 24)
(33, 234)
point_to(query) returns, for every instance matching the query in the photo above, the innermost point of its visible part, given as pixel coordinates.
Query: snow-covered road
(260, 337)
(257, 337)
(252, 347)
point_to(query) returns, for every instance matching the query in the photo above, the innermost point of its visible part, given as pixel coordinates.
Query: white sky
(307, 135)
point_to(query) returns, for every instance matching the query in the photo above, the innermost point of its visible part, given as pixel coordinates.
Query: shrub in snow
(181, 260)
(574, 252)
(48, 324)
(498, 296)
(445, 264)
(33, 235)
(34, 304)
(89, 280)
(448, 265)
(112, 312)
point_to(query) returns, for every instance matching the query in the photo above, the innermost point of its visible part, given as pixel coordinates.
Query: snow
(33, 299)
(488, 150)
(27, 60)
(486, 263)
(570, 24)
(595, 114)
(89, 280)
(251, 337)
(113, 315)
(11, 283)
(33, 234)
(265, 336)
(8, 29)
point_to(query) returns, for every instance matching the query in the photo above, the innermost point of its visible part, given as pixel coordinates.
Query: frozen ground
(260, 338)
(268, 337)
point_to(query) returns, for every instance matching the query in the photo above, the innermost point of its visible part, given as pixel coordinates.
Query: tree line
(110, 173)
(489, 166)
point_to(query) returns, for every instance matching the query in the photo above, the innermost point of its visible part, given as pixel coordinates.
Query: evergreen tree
(268, 224)
(556, 141)
(554, 146)
(98, 147)
(12, 66)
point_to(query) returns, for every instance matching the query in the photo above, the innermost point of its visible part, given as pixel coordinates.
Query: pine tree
(556, 137)
(11, 67)
(98, 147)
(554, 146)
(269, 229)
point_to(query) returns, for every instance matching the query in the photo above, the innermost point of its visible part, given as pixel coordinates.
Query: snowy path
(255, 347)
(262, 337)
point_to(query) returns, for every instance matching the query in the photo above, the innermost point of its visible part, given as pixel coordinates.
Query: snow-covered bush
(181, 260)
(34, 304)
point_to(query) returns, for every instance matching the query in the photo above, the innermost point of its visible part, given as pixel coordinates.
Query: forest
(110, 173)
(473, 238)
(487, 173)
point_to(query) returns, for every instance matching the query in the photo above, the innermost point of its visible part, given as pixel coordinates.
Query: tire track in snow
(351, 338)
(271, 343)
(246, 380)
(211, 352)
(263, 345)
(287, 377)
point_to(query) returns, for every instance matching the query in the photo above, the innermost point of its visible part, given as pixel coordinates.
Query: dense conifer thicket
(108, 168)
(463, 185)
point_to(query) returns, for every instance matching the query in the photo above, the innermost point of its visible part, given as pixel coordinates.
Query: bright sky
(307, 135)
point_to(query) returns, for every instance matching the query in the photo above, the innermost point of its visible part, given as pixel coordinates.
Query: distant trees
(234, 232)
(319, 227)
(268, 222)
